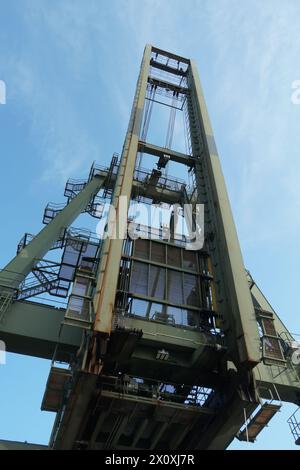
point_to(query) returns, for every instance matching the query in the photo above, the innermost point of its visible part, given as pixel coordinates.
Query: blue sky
(70, 69)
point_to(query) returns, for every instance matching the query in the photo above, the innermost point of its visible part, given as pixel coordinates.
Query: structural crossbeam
(167, 85)
(32, 328)
(170, 55)
(157, 151)
(167, 68)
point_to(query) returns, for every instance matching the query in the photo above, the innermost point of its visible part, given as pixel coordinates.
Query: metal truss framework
(163, 348)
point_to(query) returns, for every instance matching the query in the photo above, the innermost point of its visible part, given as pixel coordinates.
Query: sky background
(70, 69)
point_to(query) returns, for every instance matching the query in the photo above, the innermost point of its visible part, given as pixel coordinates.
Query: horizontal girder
(157, 151)
(32, 329)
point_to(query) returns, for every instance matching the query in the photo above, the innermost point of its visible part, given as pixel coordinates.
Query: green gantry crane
(162, 340)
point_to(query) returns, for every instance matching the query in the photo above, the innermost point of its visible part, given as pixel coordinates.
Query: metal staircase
(31, 289)
(46, 274)
(51, 211)
(55, 277)
(28, 237)
(95, 207)
(73, 187)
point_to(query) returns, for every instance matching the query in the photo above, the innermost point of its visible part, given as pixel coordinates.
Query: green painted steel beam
(241, 327)
(278, 383)
(76, 411)
(109, 267)
(21, 265)
(32, 329)
(180, 338)
(157, 151)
